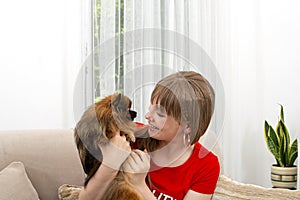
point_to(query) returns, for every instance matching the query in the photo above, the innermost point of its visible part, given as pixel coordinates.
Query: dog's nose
(132, 114)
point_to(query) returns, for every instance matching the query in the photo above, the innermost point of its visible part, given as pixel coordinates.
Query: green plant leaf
(281, 113)
(282, 150)
(272, 141)
(266, 128)
(293, 153)
(274, 136)
(285, 132)
(278, 132)
(273, 149)
(287, 156)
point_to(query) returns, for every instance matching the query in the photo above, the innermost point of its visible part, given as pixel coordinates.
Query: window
(118, 79)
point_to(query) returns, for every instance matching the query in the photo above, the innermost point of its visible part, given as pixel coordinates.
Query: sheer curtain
(39, 58)
(243, 53)
(256, 45)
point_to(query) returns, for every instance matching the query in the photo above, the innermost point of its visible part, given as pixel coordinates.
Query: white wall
(39, 60)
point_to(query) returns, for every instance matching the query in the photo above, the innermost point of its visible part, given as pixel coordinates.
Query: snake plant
(278, 142)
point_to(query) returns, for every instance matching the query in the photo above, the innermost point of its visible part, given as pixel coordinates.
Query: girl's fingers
(137, 162)
(135, 157)
(144, 156)
(128, 166)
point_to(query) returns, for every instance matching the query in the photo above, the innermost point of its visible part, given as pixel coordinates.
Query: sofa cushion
(228, 189)
(15, 184)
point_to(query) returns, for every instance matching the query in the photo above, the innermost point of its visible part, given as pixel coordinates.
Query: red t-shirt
(199, 173)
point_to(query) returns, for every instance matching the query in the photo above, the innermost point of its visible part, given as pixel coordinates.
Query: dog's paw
(130, 137)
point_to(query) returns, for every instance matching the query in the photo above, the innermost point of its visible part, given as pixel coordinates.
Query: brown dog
(98, 124)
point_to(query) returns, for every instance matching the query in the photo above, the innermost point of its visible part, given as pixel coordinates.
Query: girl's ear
(187, 129)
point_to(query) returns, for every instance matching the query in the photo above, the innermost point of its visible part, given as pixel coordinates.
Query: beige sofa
(49, 156)
(50, 160)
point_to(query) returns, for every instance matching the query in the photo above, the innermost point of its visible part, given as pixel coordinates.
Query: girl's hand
(137, 165)
(115, 151)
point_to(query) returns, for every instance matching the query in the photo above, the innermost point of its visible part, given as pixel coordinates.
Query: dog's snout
(132, 114)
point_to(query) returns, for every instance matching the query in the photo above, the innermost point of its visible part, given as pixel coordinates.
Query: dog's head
(101, 121)
(114, 114)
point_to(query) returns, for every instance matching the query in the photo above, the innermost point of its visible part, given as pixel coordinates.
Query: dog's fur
(98, 124)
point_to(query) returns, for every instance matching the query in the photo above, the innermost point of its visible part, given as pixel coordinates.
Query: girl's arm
(98, 184)
(138, 165)
(145, 191)
(192, 195)
(114, 154)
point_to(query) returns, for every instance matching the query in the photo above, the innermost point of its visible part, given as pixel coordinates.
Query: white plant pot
(284, 177)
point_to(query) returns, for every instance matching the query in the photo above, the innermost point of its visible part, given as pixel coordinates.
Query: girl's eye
(160, 114)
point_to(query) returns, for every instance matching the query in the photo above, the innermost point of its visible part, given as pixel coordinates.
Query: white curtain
(148, 40)
(257, 43)
(252, 51)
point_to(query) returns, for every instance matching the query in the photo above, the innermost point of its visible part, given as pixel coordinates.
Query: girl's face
(161, 126)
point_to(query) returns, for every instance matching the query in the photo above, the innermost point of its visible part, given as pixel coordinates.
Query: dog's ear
(119, 103)
(115, 100)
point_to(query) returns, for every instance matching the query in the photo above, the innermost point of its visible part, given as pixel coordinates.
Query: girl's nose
(148, 116)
